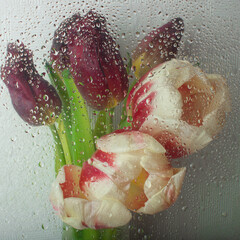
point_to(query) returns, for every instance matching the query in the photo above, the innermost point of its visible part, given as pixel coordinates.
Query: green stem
(124, 118)
(70, 233)
(64, 141)
(108, 234)
(59, 152)
(104, 123)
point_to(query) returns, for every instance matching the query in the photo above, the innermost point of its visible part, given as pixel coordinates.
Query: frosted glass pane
(208, 207)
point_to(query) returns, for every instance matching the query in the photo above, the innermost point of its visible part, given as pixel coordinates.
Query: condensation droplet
(184, 208)
(224, 214)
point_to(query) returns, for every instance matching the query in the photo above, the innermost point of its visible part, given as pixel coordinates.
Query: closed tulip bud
(84, 45)
(129, 171)
(180, 106)
(34, 99)
(158, 46)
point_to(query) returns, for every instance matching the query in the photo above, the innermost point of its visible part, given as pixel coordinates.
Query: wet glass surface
(208, 206)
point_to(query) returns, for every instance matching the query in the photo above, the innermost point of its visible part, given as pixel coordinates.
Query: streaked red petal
(71, 187)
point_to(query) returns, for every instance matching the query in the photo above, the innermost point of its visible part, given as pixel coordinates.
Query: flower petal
(127, 142)
(126, 167)
(95, 184)
(84, 213)
(166, 196)
(108, 213)
(180, 106)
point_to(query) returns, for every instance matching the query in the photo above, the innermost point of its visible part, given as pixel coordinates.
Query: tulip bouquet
(103, 174)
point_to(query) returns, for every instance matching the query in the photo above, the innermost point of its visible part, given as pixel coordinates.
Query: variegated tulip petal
(123, 169)
(127, 142)
(56, 194)
(155, 163)
(180, 106)
(220, 104)
(167, 195)
(169, 103)
(84, 213)
(96, 214)
(113, 213)
(95, 184)
(159, 170)
(191, 138)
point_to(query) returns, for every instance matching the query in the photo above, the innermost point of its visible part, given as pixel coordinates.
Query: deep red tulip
(84, 45)
(34, 99)
(158, 46)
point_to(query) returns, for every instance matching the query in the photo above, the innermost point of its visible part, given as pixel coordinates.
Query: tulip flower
(80, 212)
(34, 99)
(158, 46)
(129, 171)
(84, 45)
(180, 106)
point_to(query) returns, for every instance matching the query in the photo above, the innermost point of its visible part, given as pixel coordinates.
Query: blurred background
(209, 204)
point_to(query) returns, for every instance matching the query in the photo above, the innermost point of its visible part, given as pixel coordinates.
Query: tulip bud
(180, 106)
(129, 171)
(158, 46)
(84, 45)
(34, 99)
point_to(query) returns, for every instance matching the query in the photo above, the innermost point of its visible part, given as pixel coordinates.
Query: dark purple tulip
(34, 99)
(158, 46)
(84, 45)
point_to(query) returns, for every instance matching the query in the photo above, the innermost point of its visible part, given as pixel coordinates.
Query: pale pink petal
(160, 172)
(215, 118)
(96, 214)
(154, 163)
(169, 103)
(126, 167)
(127, 142)
(190, 137)
(56, 194)
(113, 214)
(95, 184)
(167, 195)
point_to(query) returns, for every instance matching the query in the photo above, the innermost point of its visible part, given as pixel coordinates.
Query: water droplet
(148, 184)
(40, 164)
(155, 121)
(224, 214)
(184, 208)
(45, 97)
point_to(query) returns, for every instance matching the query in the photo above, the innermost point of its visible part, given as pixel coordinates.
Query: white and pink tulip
(180, 106)
(129, 171)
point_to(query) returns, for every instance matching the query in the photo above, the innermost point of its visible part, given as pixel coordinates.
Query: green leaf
(64, 122)
(82, 139)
